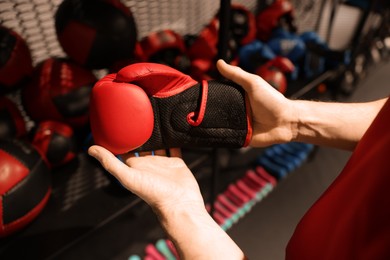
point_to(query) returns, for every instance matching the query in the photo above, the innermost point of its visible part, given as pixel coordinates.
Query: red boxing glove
(149, 106)
(205, 46)
(55, 141)
(274, 72)
(282, 63)
(268, 19)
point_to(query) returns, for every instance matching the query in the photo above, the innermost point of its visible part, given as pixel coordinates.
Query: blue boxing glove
(319, 57)
(253, 55)
(287, 44)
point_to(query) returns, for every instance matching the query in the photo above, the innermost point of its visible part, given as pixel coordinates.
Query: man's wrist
(197, 236)
(176, 220)
(293, 120)
(303, 124)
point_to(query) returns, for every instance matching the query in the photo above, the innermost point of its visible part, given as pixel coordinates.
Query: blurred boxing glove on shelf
(274, 72)
(148, 106)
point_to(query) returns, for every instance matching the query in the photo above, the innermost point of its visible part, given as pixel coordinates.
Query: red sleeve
(351, 220)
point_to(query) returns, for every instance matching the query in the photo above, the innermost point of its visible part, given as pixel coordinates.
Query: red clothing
(351, 220)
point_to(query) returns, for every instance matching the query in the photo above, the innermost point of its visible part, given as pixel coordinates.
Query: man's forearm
(197, 236)
(339, 125)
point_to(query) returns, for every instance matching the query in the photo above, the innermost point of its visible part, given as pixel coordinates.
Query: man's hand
(273, 115)
(165, 183)
(169, 187)
(277, 119)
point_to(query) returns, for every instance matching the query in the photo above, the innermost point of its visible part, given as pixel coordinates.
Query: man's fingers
(251, 83)
(126, 156)
(140, 154)
(235, 74)
(172, 152)
(161, 152)
(248, 81)
(112, 164)
(175, 152)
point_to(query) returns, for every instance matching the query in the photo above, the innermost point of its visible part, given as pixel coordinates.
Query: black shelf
(85, 199)
(88, 207)
(90, 216)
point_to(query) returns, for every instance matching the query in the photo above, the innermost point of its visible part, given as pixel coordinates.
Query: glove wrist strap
(199, 115)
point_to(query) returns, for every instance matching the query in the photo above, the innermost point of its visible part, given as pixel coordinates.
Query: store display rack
(88, 209)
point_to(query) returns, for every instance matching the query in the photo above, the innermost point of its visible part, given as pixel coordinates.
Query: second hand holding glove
(147, 106)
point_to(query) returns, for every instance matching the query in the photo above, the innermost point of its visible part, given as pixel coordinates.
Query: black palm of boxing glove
(147, 106)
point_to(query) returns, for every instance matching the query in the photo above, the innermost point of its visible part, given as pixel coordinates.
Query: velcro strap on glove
(224, 123)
